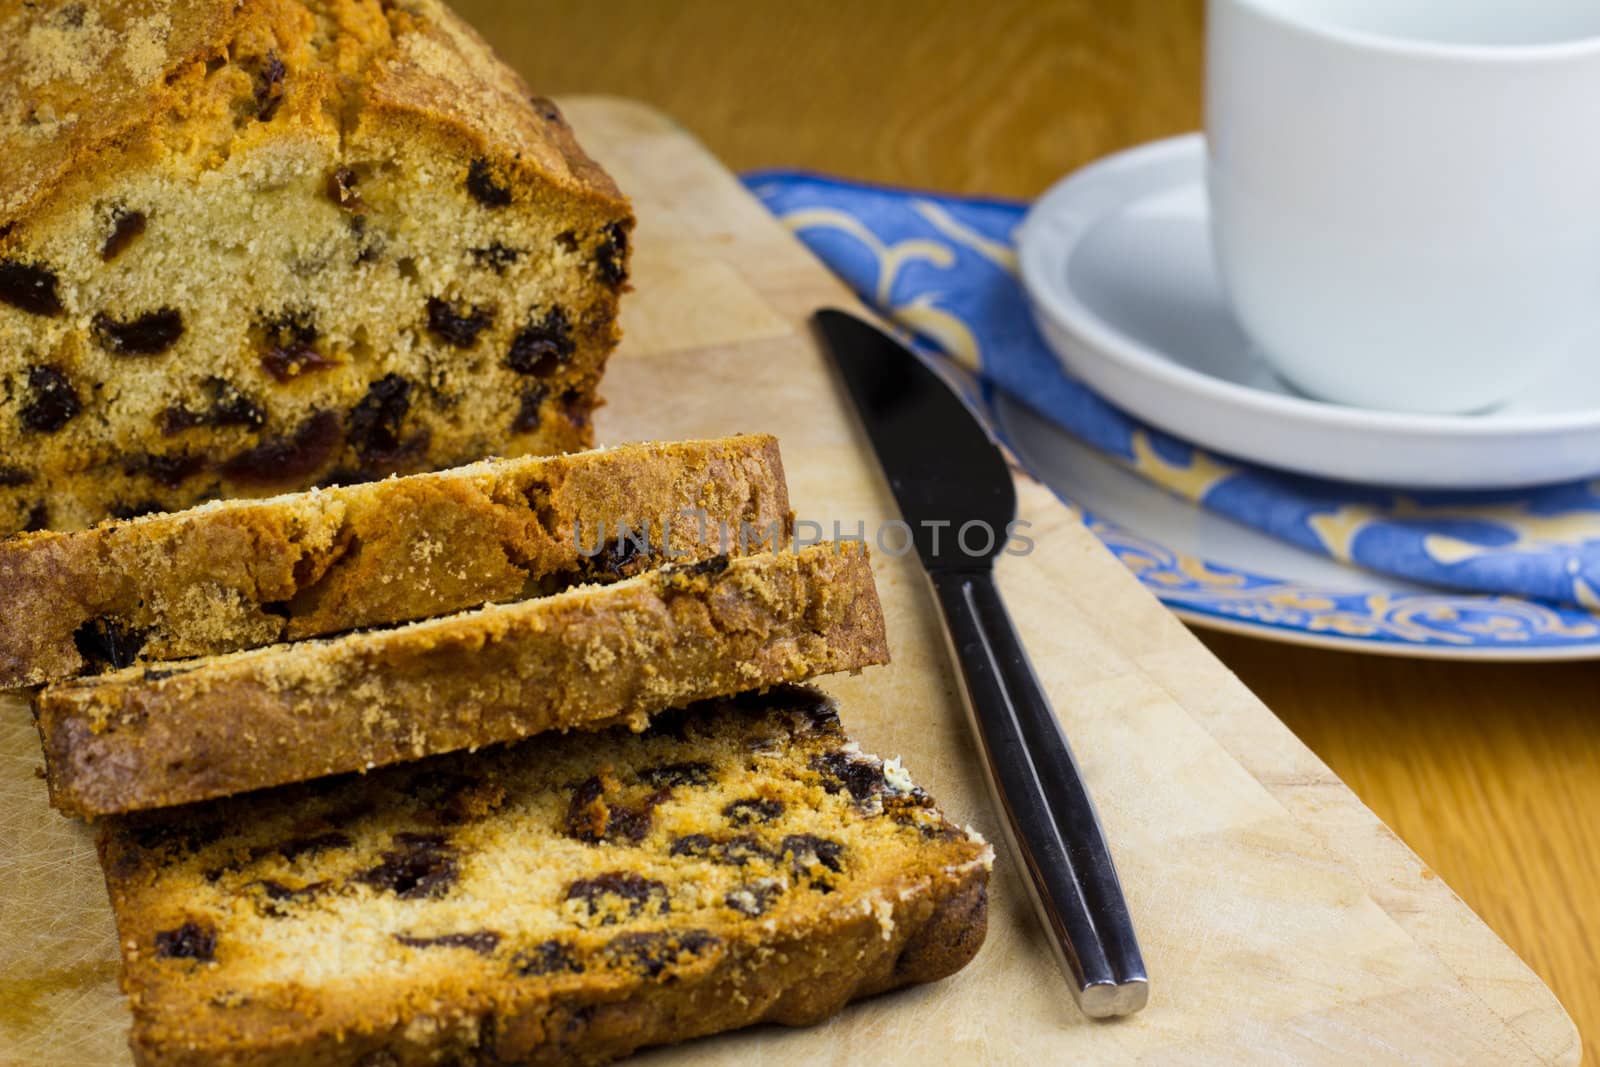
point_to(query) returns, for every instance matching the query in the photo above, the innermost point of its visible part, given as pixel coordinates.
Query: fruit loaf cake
(590, 657)
(248, 246)
(565, 900)
(230, 575)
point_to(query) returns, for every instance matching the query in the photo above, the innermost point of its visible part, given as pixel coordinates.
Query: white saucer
(1117, 262)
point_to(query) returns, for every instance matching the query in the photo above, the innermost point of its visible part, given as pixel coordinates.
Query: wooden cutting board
(1280, 920)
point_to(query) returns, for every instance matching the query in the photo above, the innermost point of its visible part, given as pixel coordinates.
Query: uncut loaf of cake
(248, 246)
(566, 900)
(230, 575)
(588, 658)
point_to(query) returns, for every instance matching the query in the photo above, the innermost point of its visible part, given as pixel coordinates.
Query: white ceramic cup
(1405, 194)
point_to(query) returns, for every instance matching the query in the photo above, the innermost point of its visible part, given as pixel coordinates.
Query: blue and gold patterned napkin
(945, 268)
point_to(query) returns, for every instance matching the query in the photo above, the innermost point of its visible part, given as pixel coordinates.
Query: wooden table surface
(1491, 773)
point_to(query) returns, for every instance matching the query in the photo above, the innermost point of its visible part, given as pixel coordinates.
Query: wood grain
(1000, 97)
(1492, 774)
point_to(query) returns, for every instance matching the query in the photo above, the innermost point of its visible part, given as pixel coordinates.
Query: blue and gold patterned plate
(1218, 573)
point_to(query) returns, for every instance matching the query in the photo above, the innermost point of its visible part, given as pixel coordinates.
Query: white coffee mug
(1405, 194)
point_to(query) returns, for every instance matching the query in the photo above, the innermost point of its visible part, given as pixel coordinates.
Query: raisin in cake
(239, 574)
(560, 901)
(589, 657)
(249, 246)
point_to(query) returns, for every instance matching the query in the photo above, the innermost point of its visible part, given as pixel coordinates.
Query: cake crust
(590, 657)
(88, 76)
(239, 574)
(740, 862)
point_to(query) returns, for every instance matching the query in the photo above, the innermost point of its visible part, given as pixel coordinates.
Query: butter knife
(955, 492)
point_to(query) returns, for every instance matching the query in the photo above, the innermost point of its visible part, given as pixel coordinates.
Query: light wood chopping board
(1280, 920)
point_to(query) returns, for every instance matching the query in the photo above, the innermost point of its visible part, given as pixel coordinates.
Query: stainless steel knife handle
(1050, 819)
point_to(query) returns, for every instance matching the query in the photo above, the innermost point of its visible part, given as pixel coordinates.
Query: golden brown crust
(751, 865)
(81, 77)
(444, 73)
(67, 90)
(240, 574)
(592, 656)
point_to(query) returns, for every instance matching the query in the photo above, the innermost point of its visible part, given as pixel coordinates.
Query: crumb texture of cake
(231, 575)
(593, 656)
(565, 900)
(250, 246)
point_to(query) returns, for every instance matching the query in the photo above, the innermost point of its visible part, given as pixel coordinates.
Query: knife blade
(954, 490)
